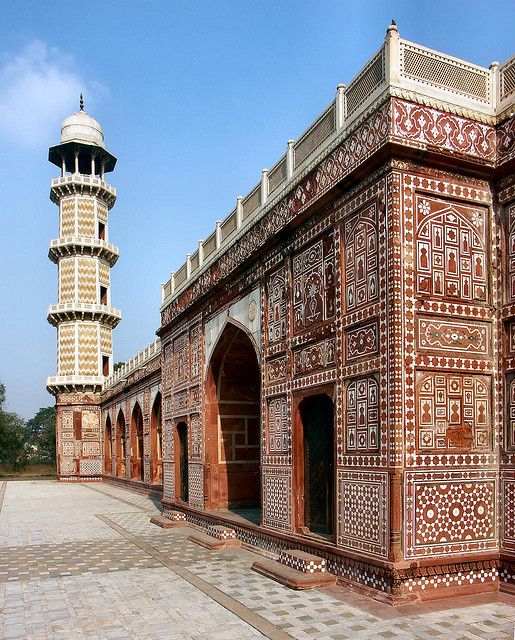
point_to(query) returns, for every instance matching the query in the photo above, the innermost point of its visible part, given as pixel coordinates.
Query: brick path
(83, 562)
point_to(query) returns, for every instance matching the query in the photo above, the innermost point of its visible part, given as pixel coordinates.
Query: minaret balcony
(82, 184)
(74, 311)
(73, 384)
(83, 245)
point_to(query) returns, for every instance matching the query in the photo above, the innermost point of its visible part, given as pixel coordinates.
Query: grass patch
(31, 472)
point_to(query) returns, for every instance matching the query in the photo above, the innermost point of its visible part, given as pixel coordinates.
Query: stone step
(221, 532)
(303, 561)
(212, 542)
(293, 578)
(172, 519)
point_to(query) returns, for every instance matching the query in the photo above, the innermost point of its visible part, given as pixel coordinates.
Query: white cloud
(38, 88)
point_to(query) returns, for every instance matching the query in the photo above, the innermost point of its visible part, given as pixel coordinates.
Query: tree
(13, 436)
(117, 365)
(41, 435)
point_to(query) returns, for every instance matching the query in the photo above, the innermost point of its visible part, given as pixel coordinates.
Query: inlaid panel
(314, 284)
(276, 307)
(451, 246)
(453, 412)
(361, 258)
(362, 414)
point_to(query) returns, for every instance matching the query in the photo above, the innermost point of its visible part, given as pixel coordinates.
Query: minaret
(83, 315)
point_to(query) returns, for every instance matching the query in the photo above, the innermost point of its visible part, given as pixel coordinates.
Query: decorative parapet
(398, 69)
(81, 245)
(78, 183)
(73, 384)
(71, 311)
(137, 362)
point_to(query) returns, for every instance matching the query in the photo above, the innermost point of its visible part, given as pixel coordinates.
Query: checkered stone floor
(83, 561)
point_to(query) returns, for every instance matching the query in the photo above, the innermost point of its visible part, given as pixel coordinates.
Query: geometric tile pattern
(88, 349)
(86, 216)
(454, 412)
(87, 280)
(67, 210)
(67, 279)
(276, 498)
(363, 511)
(66, 349)
(450, 512)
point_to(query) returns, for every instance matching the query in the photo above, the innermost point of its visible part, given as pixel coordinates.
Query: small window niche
(105, 365)
(101, 231)
(103, 295)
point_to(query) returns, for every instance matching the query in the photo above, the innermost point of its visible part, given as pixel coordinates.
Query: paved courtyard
(83, 562)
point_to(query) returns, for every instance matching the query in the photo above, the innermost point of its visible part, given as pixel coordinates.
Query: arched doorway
(156, 442)
(181, 461)
(137, 443)
(317, 467)
(108, 456)
(120, 445)
(233, 423)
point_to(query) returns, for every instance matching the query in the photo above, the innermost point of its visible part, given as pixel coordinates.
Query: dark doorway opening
(108, 447)
(137, 443)
(317, 416)
(182, 461)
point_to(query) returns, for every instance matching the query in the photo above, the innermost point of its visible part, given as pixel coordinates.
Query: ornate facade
(338, 357)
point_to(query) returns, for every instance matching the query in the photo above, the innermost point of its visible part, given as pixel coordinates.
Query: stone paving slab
(124, 581)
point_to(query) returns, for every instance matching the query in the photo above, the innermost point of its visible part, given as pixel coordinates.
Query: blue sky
(195, 99)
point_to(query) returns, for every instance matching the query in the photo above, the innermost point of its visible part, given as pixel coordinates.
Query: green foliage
(23, 442)
(13, 439)
(41, 434)
(117, 365)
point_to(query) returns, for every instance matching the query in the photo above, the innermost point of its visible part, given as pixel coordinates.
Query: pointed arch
(233, 385)
(120, 444)
(137, 442)
(156, 441)
(108, 451)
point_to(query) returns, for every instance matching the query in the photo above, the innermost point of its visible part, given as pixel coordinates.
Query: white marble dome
(81, 127)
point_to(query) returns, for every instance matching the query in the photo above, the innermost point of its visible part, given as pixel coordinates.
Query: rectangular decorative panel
(361, 258)
(87, 280)
(320, 355)
(66, 280)
(105, 339)
(67, 217)
(88, 351)
(453, 412)
(196, 485)
(276, 307)
(86, 217)
(276, 369)
(363, 511)
(66, 349)
(452, 241)
(508, 511)
(362, 341)
(279, 432)
(277, 497)
(442, 335)
(450, 512)
(102, 212)
(313, 284)
(103, 273)
(181, 359)
(362, 414)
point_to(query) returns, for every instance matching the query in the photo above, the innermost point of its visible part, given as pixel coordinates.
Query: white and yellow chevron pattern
(67, 227)
(105, 340)
(103, 273)
(86, 217)
(66, 349)
(88, 349)
(87, 280)
(102, 212)
(66, 280)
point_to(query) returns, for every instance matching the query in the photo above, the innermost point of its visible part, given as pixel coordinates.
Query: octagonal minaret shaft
(83, 314)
